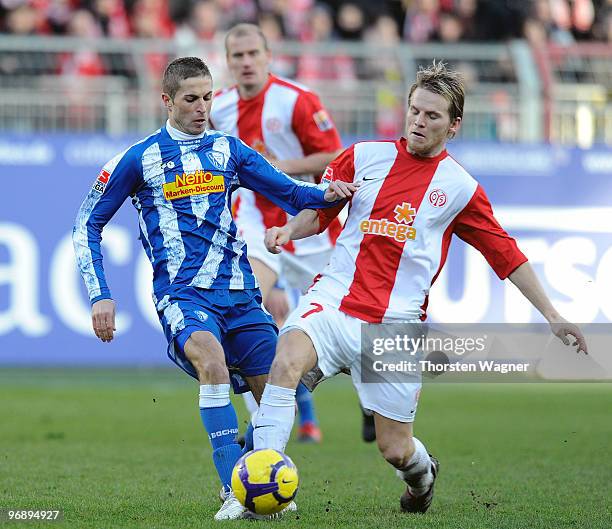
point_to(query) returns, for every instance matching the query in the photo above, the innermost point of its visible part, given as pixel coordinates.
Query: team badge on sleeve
(323, 120)
(101, 181)
(328, 175)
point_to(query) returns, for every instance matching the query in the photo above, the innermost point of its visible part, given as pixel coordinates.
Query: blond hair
(438, 79)
(243, 30)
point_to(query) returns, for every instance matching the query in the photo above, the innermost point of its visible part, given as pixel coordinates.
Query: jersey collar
(178, 135)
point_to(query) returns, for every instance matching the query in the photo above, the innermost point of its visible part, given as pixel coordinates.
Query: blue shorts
(236, 318)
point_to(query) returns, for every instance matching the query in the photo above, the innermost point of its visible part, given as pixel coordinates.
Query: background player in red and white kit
(412, 198)
(286, 123)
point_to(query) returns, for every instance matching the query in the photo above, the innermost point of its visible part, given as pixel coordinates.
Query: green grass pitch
(125, 449)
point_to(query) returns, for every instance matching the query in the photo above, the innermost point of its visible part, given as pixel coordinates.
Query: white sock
(250, 403)
(417, 473)
(214, 395)
(275, 418)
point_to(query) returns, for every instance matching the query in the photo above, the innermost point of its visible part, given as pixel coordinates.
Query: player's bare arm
(313, 163)
(527, 282)
(103, 319)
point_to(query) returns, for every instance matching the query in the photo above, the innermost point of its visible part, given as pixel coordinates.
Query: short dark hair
(180, 69)
(437, 78)
(242, 30)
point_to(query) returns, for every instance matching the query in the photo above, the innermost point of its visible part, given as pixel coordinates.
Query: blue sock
(248, 439)
(220, 421)
(305, 405)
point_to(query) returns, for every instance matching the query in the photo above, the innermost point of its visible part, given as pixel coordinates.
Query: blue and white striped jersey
(181, 189)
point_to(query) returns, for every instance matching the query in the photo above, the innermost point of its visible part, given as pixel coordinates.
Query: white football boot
(231, 509)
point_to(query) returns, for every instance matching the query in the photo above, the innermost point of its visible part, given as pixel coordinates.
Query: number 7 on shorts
(317, 308)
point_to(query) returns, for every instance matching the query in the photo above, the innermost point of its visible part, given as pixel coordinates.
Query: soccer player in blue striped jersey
(180, 180)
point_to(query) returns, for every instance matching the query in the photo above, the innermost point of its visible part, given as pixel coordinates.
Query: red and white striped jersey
(287, 121)
(399, 227)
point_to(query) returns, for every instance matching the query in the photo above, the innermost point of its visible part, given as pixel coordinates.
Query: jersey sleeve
(115, 182)
(477, 226)
(343, 169)
(313, 126)
(257, 174)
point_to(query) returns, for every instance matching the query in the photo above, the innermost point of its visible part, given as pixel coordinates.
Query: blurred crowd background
(535, 69)
(414, 21)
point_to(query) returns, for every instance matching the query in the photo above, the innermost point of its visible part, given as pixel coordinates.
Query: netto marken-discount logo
(197, 183)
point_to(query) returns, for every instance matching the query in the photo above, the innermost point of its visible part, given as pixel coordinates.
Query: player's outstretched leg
(309, 431)
(413, 463)
(217, 413)
(221, 423)
(295, 355)
(275, 418)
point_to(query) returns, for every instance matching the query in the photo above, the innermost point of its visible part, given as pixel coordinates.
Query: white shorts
(337, 341)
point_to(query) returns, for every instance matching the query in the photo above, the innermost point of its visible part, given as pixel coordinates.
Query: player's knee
(397, 454)
(217, 372)
(206, 355)
(286, 369)
(210, 370)
(295, 355)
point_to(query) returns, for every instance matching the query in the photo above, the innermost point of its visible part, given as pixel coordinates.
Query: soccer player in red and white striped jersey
(287, 123)
(412, 198)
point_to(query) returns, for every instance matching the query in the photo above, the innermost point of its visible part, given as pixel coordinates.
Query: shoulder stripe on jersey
(289, 83)
(223, 91)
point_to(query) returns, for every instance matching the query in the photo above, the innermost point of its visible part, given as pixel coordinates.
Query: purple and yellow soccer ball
(265, 481)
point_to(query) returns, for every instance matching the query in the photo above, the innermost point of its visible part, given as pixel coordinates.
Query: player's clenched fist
(276, 237)
(103, 319)
(339, 190)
